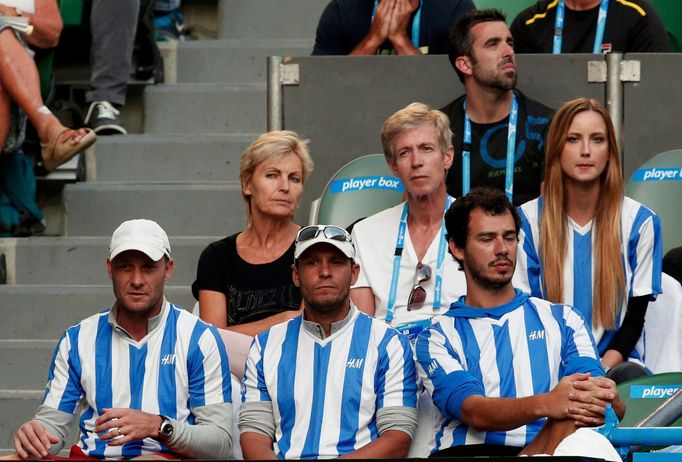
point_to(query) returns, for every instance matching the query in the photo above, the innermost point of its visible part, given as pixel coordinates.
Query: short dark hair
(461, 41)
(491, 201)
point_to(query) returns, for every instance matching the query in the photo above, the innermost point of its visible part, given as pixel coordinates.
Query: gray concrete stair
(17, 407)
(96, 209)
(48, 309)
(32, 357)
(235, 60)
(82, 260)
(190, 158)
(269, 19)
(206, 108)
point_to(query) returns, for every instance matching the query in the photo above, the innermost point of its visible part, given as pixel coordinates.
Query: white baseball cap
(327, 234)
(143, 235)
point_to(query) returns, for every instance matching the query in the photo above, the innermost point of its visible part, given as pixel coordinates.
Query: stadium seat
(658, 184)
(362, 187)
(511, 9)
(670, 12)
(644, 394)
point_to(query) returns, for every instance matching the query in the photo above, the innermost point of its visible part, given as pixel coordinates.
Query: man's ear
(455, 251)
(355, 272)
(109, 268)
(294, 275)
(170, 266)
(464, 65)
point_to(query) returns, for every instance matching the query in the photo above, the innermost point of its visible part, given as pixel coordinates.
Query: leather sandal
(60, 149)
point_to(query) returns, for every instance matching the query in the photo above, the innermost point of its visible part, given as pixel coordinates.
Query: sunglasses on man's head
(418, 294)
(330, 232)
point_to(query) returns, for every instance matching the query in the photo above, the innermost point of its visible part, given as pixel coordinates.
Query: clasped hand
(119, 426)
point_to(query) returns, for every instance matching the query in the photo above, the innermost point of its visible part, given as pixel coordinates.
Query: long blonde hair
(609, 277)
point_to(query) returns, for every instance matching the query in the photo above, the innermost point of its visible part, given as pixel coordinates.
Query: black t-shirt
(253, 292)
(489, 149)
(345, 23)
(632, 26)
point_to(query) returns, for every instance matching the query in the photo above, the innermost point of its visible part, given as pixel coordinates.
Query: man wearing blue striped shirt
(333, 381)
(509, 373)
(148, 378)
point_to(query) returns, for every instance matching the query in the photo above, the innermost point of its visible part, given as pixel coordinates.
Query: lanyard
(399, 245)
(416, 22)
(559, 27)
(511, 148)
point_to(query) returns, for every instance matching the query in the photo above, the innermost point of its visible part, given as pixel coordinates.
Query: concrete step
(29, 361)
(271, 19)
(96, 209)
(57, 307)
(205, 108)
(82, 260)
(237, 60)
(169, 158)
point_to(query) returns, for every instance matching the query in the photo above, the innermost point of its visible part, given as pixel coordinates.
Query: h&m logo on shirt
(355, 363)
(168, 359)
(536, 335)
(433, 366)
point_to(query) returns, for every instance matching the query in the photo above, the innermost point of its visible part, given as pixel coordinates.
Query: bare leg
(19, 78)
(549, 437)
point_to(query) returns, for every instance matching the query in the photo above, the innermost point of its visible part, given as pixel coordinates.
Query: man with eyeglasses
(405, 277)
(333, 381)
(507, 370)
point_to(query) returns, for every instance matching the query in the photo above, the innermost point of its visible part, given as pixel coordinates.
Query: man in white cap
(333, 381)
(148, 378)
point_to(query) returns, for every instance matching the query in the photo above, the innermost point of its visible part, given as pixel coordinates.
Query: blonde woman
(583, 242)
(244, 281)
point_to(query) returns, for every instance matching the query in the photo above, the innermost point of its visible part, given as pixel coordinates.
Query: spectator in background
(244, 281)
(113, 25)
(507, 370)
(20, 82)
(333, 381)
(405, 277)
(583, 242)
(589, 26)
(499, 132)
(402, 27)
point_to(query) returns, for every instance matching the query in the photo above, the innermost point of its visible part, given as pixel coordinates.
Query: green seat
(670, 12)
(361, 188)
(658, 184)
(644, 394)
(510, 8)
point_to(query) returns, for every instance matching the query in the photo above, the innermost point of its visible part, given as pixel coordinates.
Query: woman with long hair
(583, 242)
(244, 281)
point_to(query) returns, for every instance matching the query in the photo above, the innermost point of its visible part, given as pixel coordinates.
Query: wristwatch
(166, 428)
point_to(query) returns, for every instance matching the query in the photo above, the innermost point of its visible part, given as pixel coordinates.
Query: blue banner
(653, 391)
(360, 183)
(658, 174)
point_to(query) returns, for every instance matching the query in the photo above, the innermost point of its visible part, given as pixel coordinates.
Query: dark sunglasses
(330, 232)
(418, 293)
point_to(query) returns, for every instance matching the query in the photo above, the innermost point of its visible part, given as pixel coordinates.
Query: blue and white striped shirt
(641, 248)
(181, 364)
(515, 350)
(325, 392)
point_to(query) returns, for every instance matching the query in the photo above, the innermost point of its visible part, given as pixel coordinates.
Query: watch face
(167, 428)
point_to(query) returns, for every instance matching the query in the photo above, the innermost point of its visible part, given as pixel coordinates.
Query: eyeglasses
(418, 293)
(330, 232)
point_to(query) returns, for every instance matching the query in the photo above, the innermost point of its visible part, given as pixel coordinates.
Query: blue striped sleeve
(645, 254)
(396, 375)
(64, 389)
(443, 374)
(195, 367)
